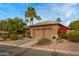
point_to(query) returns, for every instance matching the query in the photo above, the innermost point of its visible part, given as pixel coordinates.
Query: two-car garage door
(41, 33)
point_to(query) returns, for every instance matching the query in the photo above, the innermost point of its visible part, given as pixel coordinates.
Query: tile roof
(45, 23)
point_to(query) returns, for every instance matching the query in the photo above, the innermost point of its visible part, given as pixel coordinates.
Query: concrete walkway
(20, 43)
(29, 44)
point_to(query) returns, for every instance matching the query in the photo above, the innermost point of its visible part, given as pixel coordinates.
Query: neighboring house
(46, 29)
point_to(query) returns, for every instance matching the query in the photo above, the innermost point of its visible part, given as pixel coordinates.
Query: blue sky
(47, 11)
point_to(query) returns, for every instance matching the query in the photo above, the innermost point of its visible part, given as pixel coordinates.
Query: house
(46, 29)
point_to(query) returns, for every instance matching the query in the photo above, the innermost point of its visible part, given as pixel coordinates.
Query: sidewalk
(51, 48)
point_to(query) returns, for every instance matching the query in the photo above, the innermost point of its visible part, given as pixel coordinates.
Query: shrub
(24, 35)
(19, 36)
(0, 34)
(73, 36)
(61, 34)
(5, 36)
(44, 41)
(53, 37)
(13, 37)
(28, 35)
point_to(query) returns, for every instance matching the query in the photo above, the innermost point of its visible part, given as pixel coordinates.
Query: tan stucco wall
(52, 31)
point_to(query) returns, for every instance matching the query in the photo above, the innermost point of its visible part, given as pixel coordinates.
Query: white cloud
(69, 10)
(51, 11)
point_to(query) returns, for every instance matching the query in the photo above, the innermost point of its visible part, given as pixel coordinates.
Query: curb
(59, 51)
(50, 50)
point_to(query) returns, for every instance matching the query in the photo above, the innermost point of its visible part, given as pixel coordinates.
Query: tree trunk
(32, 22)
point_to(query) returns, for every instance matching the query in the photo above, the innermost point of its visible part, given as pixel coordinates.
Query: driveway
(26, 47)
(19, 43)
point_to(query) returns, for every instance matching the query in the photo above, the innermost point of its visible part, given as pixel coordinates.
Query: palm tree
(58, 20)
(30, 14)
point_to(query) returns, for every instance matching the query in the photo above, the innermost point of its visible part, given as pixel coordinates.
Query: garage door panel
(38, 34)
(42, 33)
(48, 33)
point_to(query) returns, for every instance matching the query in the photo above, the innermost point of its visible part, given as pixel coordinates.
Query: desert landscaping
(45, 35)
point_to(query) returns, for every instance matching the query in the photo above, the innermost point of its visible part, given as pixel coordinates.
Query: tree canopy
(12, 24)
(58, 20)
(30, 14)
(74, 25)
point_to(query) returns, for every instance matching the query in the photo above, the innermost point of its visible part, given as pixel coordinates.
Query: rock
(1, 39)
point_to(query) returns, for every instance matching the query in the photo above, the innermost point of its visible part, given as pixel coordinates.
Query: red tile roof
(45, 23)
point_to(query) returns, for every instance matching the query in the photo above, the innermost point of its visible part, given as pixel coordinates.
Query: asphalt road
(19, 51)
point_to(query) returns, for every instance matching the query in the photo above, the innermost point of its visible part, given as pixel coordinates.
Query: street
(20, 51)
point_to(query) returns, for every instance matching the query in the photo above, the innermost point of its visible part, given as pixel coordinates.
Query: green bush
(24, 35)
(13, 37)
(73, 36)
(28, 35)
(53, 37)
(61, 34)
(19, 36)
(44, 41)
(5, 36)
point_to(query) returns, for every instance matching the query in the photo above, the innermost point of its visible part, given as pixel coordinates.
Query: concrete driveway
(26, 48)
(19, 43)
